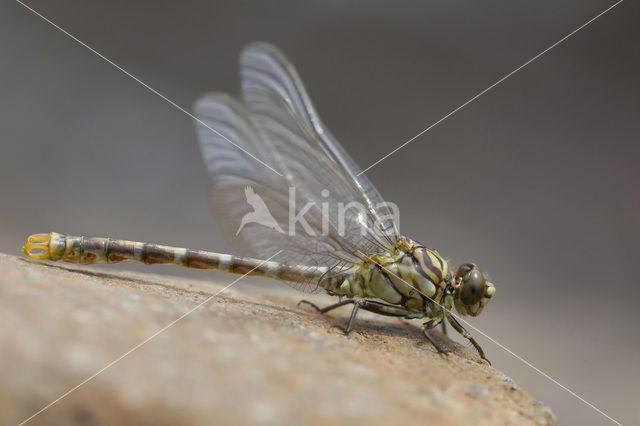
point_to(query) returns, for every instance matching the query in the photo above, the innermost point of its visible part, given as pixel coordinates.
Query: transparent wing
(318, 179)
(269, 80)
(240, 184)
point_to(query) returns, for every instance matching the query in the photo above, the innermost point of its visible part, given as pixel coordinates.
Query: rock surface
(239, 358)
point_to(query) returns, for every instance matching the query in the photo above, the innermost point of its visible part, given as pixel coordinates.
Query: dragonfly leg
(368, 305)
(444, 327)
(432, 324)
(326, 308)
(352, 318)
(384, 309)
(460, 329)
(375, 307)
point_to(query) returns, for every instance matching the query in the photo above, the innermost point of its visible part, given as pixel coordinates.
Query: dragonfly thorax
(409, 275)
(416, 278)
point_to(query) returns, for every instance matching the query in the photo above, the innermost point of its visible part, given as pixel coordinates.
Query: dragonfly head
(471, 291)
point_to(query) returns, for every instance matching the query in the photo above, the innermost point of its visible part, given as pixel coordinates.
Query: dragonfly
(267, 150)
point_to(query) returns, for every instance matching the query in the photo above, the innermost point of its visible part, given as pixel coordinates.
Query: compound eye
(472, 287)
(464, 269)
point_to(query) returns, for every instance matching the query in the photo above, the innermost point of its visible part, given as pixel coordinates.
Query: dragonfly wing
(251, 201)
(278, 102)
(319, 211)
(227, 149)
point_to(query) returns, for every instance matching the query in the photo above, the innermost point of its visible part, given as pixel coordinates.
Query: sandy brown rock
(240, 358)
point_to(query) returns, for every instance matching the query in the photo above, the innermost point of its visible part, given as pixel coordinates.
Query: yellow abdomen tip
(37, 247)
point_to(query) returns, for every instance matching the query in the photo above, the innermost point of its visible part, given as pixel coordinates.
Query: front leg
(460, 329)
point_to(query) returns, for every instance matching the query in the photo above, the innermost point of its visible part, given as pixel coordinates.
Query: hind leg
(326, 308)
(368, 305)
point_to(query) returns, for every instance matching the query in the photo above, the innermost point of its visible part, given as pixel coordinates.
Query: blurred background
(536, 181)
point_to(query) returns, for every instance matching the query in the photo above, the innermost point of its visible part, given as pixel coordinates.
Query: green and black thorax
(416, 278)
(408, 275)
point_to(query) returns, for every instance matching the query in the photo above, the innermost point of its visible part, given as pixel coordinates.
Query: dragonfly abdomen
(85, 250)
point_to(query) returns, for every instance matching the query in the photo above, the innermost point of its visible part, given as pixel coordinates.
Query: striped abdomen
(80, 249)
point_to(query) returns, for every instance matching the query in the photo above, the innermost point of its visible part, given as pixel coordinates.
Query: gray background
(537, 181)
